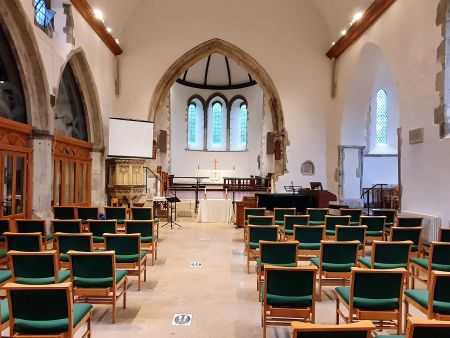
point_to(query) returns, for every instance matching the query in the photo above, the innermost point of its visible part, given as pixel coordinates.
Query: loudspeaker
(270, 144)
(162, 141)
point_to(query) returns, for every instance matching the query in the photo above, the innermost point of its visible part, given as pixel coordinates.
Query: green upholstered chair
(362, 329)
(251, 212)
(4, 227)
(407, 234)
(117, 213)
(375, 227)
(149, 235)
(5, 277)
(335, 262)
(433, 302)
(354, 214)
(77, 242)
(345, 233)
(71, 226)
(36, 268)
(258, 233)
(46, 311)
(31, 241)
(424, 328)
(444, 236)
(64, 212)
(390, 214)
(309, 238)
(387, 255)
(438, 260)
(408, 221)
(86, 213)
(288, 294)
(129, 255)
(100, 227)
(277, 254)
(94, 277)
(261, 220)
(365, 299)
(142, 214)
(332, 221)
(317, 215)
(279, 214)
(34, 225)
(4, 314)
(290, 221)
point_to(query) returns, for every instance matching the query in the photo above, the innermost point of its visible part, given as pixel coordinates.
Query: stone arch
(19, 31)
(244, 60)
(88, 89)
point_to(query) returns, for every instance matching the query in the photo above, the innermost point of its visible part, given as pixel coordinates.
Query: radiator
(430, 223)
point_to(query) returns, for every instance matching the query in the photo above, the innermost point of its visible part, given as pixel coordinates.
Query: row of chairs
(119, 213)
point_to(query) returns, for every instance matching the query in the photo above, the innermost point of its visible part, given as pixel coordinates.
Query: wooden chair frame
(250, 217)
(66, 265)
(352, 209)
(253, 254)
(427, 311)
(84, 226)
(149, 247)
(375, 238)
(376, 244)
(364, 325)
(414, 322)
(318, 209)
(400, 218)
(135, 268)
(333, 278)
(246, 219)
(412, 254)
(65, 207)
(120, 226)
(248, 223)
(61, 286)
(280, 209)
(107, 295)
(152, 213)
(361, 252)
(52, 227)
(33, 234)
(328, 217)
(379, 317)
(288, 237)
(89, 230)
(417, 269)
(281, 316)
(8, 228)
(425, 250)
(44, 234)
(305, 252)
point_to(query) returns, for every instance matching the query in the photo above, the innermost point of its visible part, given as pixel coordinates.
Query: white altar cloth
(215, 211)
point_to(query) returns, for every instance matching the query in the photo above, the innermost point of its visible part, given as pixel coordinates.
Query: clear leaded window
(192, 123)
(243, 124)
(217, 123)
(40, 12)
(382, 117)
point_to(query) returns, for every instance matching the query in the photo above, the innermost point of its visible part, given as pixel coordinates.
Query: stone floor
(221, 296)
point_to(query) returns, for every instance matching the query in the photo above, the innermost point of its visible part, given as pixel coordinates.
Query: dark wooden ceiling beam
(99, 27)
(371, 15)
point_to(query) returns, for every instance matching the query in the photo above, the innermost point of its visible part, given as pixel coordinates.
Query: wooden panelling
(371, 15)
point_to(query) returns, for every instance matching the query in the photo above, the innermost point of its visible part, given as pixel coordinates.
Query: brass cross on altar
(215, 164)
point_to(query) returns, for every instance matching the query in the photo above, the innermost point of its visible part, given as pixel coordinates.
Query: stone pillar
(98, 193)
(42, 175)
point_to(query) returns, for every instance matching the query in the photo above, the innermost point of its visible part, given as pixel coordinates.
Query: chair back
(64, 212)
(31, 241)
(444, 234)
(117, 213)
(92, 265)
(317, 214)
(254, 212)
(353, 213)
(386, 254)
(123, 244)
(85, 213)
(141, 213)
(31, 225)
(426, 328)
(144, 228)
(406, 234)
(345, 233)
(40, 303)
(440, 256)
(309, 234)
(279, 253)
(440, 284)
(409, 222)
(332, 221)
(4, 226)
(365, 283)
(296, 282)
(389, 213)
(362, 329)
(291, 220)
(42, 264)
(261, 220)
(339, 252)
(373, 223)
(72, 226)
(279, 213)
(76, 242)
(100, 227)
(258, 233)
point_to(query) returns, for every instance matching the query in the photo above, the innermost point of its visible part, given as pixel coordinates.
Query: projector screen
(130, 138)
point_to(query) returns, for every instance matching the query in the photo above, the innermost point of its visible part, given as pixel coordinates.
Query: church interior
(212, 168)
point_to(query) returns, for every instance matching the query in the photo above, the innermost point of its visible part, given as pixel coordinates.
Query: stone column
(42, 174)
(98, 193)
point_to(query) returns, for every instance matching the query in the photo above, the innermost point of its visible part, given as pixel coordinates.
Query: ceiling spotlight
(117, 41)
(99, 14)
(357, 16)
(343, 32)
(109, 29)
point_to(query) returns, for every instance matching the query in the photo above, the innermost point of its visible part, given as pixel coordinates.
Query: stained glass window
(40, 12)
(192, 123)
(382, 118)
(217, 123)
(243, 134)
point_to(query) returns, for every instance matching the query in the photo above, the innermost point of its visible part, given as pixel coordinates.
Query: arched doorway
(271, 96)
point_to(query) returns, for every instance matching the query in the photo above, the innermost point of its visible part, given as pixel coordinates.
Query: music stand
(172, 200)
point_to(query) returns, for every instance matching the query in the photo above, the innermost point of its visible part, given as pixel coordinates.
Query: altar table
(215, 211)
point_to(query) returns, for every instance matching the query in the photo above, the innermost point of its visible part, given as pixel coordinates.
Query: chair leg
(145, 270)
(337, 310)
(156, 250)
(125, 293)
(264, 323)
(139, 277)
(406, 313)
(89, 320)
(319, 296)
(114, 308)
(248, 262)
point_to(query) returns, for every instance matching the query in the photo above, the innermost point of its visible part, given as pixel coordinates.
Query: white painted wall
(185, 162)
(380, 169)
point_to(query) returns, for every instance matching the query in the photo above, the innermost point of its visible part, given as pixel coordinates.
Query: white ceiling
(337, 14)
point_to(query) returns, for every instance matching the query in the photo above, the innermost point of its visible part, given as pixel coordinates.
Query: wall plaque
(416, 136)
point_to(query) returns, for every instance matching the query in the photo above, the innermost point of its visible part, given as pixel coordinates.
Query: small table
(215, 211)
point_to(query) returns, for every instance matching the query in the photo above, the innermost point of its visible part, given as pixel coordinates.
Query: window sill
(217, 151)
(382, 150)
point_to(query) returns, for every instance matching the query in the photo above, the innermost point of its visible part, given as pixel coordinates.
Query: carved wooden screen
(72, 171)
(15, 169)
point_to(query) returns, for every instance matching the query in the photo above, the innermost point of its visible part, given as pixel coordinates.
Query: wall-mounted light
(117, 41)
(109, 29)
(333, 43)
(99, 14)
(358, 16)
(343, 32)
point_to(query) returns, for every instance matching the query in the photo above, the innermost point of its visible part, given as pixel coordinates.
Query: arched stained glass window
(217, 123)
(192, 123)
(243, 124)
(382, 118)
